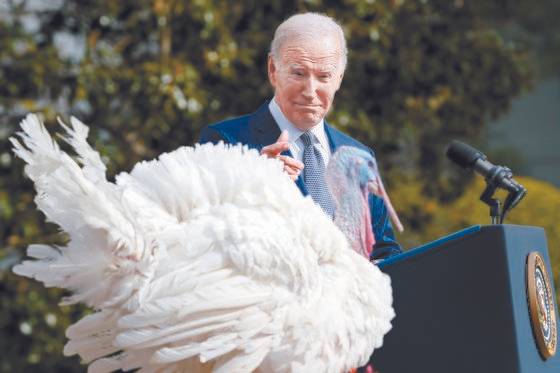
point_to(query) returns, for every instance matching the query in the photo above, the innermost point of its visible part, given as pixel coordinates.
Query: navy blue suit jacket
(260, 129)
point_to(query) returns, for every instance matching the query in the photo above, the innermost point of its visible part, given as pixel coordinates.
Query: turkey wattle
(206, 259)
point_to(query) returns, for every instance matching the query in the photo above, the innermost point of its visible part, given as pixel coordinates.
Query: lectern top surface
(428, 246)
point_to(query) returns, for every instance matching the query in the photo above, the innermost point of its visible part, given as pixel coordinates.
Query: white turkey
(193, 266)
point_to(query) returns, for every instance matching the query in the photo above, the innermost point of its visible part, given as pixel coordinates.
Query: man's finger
(281, 144)
(293, 173)
(294, 177)
(292, 170)
(289, 161)
(273, 150)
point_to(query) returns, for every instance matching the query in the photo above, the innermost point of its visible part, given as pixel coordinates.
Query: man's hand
(291, 166)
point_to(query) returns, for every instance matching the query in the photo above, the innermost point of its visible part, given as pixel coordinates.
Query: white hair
(310, 25)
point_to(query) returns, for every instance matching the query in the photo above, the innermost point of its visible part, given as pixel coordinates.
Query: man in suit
(305, 67)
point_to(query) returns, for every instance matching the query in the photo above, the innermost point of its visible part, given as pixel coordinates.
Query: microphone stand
(494, 203)
(497, 212)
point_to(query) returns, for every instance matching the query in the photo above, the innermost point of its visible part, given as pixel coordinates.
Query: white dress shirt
(320, 141)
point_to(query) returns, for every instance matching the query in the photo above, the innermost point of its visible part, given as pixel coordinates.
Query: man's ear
(272, 71)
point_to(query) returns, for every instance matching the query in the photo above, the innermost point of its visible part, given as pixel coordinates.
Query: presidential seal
(541, 305)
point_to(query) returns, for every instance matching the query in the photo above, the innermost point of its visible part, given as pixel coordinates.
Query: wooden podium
(475, 301)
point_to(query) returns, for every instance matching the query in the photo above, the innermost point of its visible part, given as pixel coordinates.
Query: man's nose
(310, 87)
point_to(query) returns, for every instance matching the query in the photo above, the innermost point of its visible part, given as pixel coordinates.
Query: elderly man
(305, 67)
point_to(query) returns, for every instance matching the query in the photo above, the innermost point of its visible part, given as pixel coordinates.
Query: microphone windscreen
(463, 154)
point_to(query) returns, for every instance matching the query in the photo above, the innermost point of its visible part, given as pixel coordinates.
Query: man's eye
(297, 73)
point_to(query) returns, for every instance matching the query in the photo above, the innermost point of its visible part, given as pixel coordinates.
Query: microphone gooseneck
(496, 177)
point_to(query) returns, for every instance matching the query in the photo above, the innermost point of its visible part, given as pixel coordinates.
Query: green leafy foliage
(148, 74)
(521, 22)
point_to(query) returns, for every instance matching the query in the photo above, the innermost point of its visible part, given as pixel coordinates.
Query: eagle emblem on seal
(541, 305)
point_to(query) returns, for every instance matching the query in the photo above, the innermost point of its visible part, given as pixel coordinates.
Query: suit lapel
(263, 130)
(335, 140)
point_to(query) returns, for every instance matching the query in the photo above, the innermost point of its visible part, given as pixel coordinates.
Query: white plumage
(206, 259)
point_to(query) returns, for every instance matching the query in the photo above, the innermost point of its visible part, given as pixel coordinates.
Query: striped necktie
(314, 174)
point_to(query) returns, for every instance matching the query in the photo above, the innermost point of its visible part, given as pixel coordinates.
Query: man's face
(305, 79)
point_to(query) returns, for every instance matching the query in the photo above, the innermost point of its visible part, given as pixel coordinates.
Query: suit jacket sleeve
(385, 243)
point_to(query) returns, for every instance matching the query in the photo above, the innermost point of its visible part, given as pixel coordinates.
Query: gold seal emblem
(541, 305)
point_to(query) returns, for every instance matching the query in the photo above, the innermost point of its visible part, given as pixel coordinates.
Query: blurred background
(147, 75)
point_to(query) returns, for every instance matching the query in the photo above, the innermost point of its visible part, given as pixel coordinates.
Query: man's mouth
(308, 106)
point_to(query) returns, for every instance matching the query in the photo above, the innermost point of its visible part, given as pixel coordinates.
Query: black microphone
(468, 157)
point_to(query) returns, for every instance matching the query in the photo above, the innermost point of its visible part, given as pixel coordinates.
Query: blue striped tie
(314, 174)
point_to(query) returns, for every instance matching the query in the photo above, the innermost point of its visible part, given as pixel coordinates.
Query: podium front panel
(461, 305)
